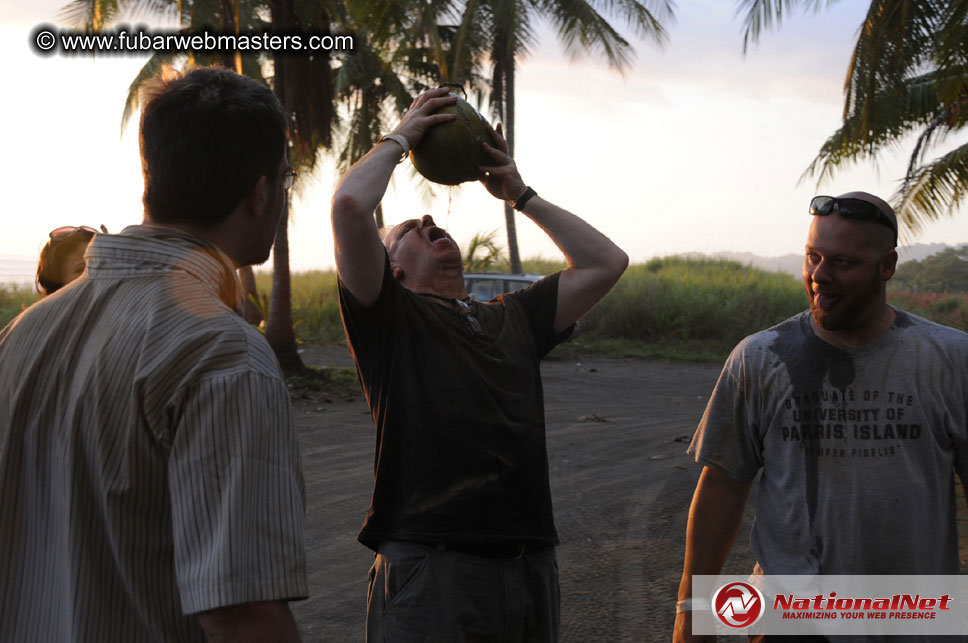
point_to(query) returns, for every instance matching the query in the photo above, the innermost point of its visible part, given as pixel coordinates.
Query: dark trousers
(421, 593)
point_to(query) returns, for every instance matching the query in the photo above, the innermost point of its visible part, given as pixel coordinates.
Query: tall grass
(13, 300)
(315, 302)
(670, 307)
(948, 309)
(542, 266)
(676, 307)
(315, 305)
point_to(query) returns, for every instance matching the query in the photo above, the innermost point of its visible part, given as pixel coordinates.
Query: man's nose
(821, 272)
(426, 221)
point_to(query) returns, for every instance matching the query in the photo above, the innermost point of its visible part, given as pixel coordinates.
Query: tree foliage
(479, 43)
(908, 76)
(484, 254)
(944, 272)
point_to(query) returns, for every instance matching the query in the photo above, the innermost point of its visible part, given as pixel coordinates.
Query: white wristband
(400, 140)
(693, 605)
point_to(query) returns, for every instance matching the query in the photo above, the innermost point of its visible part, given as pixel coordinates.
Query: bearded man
(854, 415)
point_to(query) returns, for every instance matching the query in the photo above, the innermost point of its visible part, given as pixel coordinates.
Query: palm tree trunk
(513, 255)
(279, 326)
(280, 332)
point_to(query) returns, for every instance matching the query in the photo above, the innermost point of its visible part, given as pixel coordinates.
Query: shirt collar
(165, 249)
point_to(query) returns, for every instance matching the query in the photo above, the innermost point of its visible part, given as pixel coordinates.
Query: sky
(695, 148)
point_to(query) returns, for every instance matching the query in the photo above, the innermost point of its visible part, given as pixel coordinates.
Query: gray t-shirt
(857, 447)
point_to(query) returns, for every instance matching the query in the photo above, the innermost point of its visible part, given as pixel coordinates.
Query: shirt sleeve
(368, 336)
(961, 463)
(237, 494)
(727, 438)
(540, 304)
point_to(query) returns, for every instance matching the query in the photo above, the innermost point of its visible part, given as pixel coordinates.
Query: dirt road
(617, 434)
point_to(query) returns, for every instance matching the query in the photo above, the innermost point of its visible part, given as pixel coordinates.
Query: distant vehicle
(485, 287)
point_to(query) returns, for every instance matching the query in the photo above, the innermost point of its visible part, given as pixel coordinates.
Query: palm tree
(374, 86)
(483, 253)
(462, 36)
(908, 74)
(580, 28)
(304, 85)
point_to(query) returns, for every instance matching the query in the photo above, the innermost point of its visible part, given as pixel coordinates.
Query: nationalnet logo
(805, 605)
(738, 604)
(831, 606)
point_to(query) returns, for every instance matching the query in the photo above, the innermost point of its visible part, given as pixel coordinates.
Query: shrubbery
(670, 307)
(14, 299)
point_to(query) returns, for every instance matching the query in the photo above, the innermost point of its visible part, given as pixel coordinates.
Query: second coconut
(451, 152)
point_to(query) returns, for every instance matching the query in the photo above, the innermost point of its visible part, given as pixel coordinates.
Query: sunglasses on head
(69, 230)
(848, 208)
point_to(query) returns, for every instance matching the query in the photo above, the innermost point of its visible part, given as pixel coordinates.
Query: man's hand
(359, 250)
(421, 117)
(594, 262)
(714, 519)
(259, 622)
(682, 633)
(502, 180)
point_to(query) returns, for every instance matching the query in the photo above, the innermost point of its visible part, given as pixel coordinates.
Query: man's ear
(258, 196)
(888, 265)
(396, 271)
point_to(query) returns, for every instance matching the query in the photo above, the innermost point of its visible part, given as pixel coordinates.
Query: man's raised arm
(359, 250)
(594, 262)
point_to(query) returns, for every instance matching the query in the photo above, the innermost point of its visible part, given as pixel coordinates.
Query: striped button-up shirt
(149, 466)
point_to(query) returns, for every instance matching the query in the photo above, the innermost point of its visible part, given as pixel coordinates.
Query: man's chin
(825, 320)
(254, 261)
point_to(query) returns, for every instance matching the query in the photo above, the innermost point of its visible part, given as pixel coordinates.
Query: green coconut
(450, 153)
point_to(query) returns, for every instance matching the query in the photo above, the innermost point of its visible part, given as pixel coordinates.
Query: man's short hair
(206, 138)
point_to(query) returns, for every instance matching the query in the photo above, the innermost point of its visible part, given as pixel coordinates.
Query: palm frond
(893, 45)
(483, 253)
(646, 21)
(470, 38)
(761, 15)
(953, 113)
(581, 28)
(898, 114)
(96, 15)
(151, 70)
(88, 14)
(933, 191)
(952, 38)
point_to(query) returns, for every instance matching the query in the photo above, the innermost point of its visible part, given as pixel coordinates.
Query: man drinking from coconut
(460, 518)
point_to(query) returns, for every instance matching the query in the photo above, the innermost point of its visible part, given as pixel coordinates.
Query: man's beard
(850, 308)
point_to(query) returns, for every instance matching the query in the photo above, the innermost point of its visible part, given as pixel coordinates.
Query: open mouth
(825, 301)
(436, 234)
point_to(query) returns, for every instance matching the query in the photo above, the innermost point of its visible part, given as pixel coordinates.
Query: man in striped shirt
(150, 483)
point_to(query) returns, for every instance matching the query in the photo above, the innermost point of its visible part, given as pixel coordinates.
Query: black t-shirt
(460, 441)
